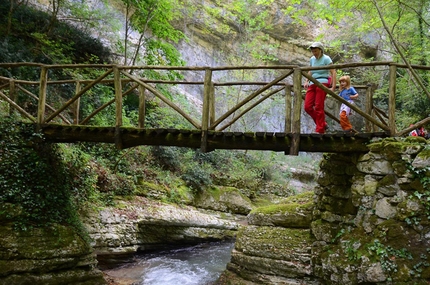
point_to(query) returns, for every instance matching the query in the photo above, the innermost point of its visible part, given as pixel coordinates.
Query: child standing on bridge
(348, 93)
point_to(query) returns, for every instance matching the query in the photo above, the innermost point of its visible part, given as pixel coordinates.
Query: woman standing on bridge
(315, 96)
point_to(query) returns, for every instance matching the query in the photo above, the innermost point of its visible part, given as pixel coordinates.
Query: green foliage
(50, 182)
(422, 195)
(241, 169)
(167, 157)
(244, 17)
(153, 20)
(424, 198)
(161, 53)
(197, 175)
(338, 235)
(95, 170)
(352, 251)
(387, 255)
(360, 28)
(95, 98)
(33, 176)
(95, 174)
(92, 184)
(412, 104)
(420, 266)
(161, 117)
(157, 16)
(100, 19)
(29, 40)
(377, 251)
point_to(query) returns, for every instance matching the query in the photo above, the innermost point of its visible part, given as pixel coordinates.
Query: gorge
(357, 219)
(364, 222)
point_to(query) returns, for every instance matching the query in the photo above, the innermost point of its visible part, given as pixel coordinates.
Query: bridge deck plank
(330, 142)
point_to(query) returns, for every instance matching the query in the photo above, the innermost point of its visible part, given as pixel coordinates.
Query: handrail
(289, 80)
(352, 106)
(250, 97)
(216, 68)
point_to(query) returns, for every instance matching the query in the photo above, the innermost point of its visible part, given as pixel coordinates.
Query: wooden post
(42, 95)
(12, 95)
(142, 107)
(288, 107)
(212, 105)
(369, 104)
(392, 100)
(76, 104)
(118, 106)
(297, 109)
(208, 86)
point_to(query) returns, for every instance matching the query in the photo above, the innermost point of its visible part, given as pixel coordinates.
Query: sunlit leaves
(153, 20)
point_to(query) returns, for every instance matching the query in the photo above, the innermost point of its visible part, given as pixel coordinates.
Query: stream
(194, 265)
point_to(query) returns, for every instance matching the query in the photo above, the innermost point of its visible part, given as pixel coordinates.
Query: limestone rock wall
(142, 225)
(218, 41)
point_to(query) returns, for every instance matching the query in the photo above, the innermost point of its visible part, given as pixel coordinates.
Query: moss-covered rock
(51, 255)
(422, 160)
(224, 199)
(151, 190)
(388, 185)
(275, 242)
(294, 212)
(268, 255)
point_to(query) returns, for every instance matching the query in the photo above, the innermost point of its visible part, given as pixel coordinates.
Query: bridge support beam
(130, 137)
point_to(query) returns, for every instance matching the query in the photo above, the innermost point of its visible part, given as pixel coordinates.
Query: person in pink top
(315, 96)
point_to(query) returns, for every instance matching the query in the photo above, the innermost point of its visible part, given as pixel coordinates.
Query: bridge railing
(118, 76)
(288, 79)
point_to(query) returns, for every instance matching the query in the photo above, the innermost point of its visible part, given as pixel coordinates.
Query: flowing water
(195, 265)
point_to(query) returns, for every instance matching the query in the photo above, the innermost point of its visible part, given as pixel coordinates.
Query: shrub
(33, 176)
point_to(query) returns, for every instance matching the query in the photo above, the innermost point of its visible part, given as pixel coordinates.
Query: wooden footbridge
(55, 102)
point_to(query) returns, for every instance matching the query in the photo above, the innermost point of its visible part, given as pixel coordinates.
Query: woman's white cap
(317, 45)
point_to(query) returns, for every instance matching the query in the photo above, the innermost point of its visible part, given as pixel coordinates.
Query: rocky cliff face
(211, 45)
(284, 40)
(224, 41)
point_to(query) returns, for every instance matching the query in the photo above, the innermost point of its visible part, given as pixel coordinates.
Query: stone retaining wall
(371, 215)
(368, 223)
